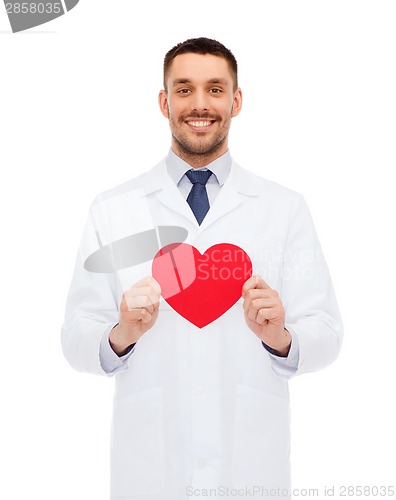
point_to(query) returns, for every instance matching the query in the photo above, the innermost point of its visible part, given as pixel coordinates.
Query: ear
(237, 104)
(163, 103)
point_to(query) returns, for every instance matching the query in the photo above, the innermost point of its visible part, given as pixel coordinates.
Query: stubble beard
(200, 148)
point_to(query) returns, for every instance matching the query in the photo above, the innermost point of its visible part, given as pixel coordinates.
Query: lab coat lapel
(158, 181)
(238, 187)
(234, 193)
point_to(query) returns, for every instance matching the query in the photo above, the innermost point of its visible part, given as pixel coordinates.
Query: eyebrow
(178, 81)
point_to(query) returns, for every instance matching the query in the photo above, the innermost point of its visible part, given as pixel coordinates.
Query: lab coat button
(201, 463)
(200, 390)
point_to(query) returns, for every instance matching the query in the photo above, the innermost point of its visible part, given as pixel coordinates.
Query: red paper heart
(201, 287)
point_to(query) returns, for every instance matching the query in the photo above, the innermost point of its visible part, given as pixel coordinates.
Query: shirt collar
(177, 167)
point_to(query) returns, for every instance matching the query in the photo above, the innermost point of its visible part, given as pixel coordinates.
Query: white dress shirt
(220, 168)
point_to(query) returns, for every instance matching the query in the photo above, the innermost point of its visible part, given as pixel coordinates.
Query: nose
(200, 102)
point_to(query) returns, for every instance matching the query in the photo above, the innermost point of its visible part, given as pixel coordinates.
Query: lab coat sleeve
(287, 366)
(312, 315)
(109, 360)
(91, 313)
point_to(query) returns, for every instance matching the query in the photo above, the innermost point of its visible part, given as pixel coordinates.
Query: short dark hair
(202, 46)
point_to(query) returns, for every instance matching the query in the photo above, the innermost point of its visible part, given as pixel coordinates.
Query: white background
(78, 114)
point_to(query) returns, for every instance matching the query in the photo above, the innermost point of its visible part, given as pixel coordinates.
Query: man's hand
(265, 315)
(138, 313)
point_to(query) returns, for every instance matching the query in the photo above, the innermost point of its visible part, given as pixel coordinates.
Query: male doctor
(201, 411)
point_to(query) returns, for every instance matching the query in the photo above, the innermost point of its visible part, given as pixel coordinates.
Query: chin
(200, 148)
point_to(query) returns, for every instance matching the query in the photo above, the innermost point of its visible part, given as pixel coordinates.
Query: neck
(198, 160)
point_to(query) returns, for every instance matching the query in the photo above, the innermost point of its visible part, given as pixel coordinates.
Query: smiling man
(200, 98)
(204, 411)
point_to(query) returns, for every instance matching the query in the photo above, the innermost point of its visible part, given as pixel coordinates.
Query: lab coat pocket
(261, 439)
(137, 454)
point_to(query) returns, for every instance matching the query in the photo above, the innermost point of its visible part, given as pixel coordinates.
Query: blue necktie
(198, 197)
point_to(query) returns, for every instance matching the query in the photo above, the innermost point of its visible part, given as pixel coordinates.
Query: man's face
(199, 101)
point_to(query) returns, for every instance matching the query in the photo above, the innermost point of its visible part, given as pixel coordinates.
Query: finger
(130, 303)
(146, 316)
(136, 315)
(152, 296)
(261, 284)
(254, 281)
(258, 293)
(262, 316)
(249, 284)
(256, 304)
(139, 302)
(266, 314)
(255, 294)
(148, 281)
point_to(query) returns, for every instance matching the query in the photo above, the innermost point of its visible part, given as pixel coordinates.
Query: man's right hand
(138, 313)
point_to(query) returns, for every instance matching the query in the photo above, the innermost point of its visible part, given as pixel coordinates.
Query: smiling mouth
(200, 125)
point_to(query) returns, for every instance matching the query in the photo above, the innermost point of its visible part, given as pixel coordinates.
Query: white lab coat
(205, 409)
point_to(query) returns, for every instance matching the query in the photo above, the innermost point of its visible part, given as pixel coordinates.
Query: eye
(183, 91)
(215, 90)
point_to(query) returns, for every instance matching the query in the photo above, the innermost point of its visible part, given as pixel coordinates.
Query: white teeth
(200, 124)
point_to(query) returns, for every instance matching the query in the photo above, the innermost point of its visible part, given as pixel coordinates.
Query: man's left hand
(265, 315)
